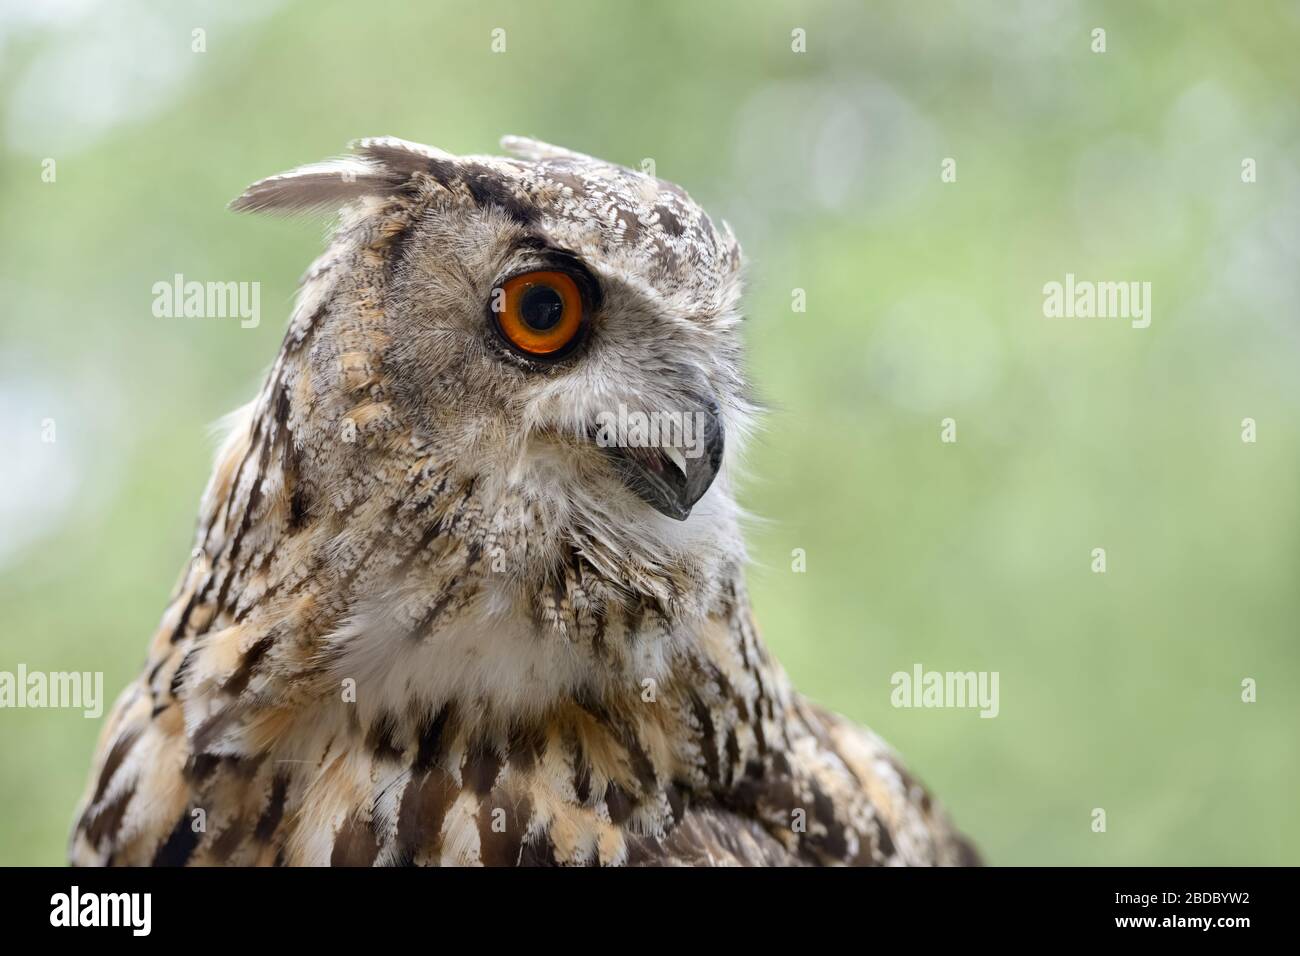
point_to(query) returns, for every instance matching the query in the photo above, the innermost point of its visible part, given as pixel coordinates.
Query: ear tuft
(318, 187)
(399, 155)
(380, 167)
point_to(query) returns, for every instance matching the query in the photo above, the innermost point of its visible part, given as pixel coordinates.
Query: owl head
(562, 331)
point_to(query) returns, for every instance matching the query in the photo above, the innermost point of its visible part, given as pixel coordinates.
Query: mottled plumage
(429, 621)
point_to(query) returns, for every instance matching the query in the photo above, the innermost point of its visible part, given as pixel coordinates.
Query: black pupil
(541, 308)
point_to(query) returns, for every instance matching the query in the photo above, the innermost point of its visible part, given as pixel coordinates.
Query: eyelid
(542, 256)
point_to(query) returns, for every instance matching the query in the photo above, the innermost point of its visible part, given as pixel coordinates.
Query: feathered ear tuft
(400, 155)
(381, 166)
(324, 187)
(319, 187)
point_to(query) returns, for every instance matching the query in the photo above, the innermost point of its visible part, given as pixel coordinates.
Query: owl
(468, 579)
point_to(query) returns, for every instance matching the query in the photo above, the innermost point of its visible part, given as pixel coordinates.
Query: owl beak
(670, 461)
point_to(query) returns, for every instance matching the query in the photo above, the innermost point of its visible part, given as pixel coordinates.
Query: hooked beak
(669, 467)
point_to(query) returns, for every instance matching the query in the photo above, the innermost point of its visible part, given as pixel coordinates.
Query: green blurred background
(1118, 690)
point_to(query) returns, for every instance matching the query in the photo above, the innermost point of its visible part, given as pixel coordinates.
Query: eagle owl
(434, 615)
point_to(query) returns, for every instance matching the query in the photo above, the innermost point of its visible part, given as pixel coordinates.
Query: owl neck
(370, 623)
(415, 582)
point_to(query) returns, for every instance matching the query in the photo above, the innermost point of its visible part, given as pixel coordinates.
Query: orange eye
(540, 313)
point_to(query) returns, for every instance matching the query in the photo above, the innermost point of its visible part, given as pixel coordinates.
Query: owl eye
(540, 313)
